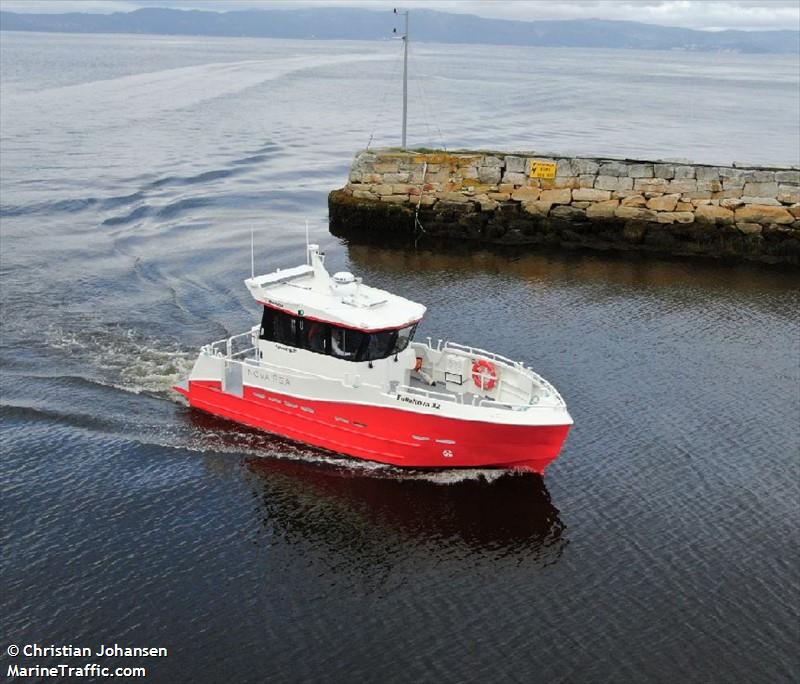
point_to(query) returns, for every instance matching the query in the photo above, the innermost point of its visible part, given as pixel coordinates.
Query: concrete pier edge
(668, 207)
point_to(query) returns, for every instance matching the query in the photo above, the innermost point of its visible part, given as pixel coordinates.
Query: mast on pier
(405, 74)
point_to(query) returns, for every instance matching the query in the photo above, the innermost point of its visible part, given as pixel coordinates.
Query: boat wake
(126, 359)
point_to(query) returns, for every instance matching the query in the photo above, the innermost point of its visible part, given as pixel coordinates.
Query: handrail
(444, 346)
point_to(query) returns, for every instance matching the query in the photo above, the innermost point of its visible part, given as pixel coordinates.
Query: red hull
(385, 434)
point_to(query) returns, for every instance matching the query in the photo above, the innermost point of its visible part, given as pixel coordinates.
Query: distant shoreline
(342, 23)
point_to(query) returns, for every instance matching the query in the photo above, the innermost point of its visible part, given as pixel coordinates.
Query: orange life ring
(484, 374)
(418, 364)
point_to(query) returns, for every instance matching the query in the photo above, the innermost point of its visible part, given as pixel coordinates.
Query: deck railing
(242, 349)
(235, 347)
(443, 347)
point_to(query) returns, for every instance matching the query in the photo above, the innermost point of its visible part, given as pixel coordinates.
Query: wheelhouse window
(404, 336)
(277, 326)
(346, 343)
(324, 338)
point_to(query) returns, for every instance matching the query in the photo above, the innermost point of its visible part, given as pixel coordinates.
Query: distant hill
(327, 23)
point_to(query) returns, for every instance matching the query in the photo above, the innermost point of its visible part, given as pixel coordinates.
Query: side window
(315, 336)
(380, 345)
(266, 324)
(404, 336)
(345, 343)
(284, 329)
(277, 326)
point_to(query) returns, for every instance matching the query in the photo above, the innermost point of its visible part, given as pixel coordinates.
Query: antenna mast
(252, 255)
(404, 38)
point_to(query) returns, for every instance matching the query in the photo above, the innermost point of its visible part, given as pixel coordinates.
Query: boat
(334, 364)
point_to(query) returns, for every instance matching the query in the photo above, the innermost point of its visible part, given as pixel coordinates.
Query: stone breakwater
(663, 207)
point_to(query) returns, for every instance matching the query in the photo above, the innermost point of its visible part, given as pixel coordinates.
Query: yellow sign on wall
(543, 169)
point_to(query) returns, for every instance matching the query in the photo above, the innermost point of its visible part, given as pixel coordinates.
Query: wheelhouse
(320, 337)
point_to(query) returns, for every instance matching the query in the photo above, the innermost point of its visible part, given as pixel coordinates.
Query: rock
(664, 171)
(675, 217)
(699, 195)
(733, 183)
(640, 171)
(515, 165)
(794, 210)
(603, 209)
(364, 194)
(622, 194)
(525, 194)
(613, 183)
(453, 197)
(700, 202)
(564, 167)
(749, 228)
(395, 199)
(634, 231)
(491, 161)
(582, 167)
(586, 180)
(710, 186)
(651, 184)
(486, 203)
(760, 189)
(537, 207)
(455, 207)
(392, 178)
(590, 195)
(730, 173)
(515, 178)
(764, 176)
(382, 189)
(467, 172)
(709, 213)
(635, 213)
(634, 201)
(683, 172)
(722, 194)
(684, 206)
(788, 177)
(568, 213)
(385, 167)
(581, 205)
(560, 182)
(427, 200)
(789, 194)
(499, 196)
(402, 189)
(489, 174)
(731, 202)
(707, 173)
(683, 185)
(665, 203)
(562, 196)
(613, 169)
(770, 201)
(759, 213)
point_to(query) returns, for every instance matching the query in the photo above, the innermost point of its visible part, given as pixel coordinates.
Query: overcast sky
(697, 14)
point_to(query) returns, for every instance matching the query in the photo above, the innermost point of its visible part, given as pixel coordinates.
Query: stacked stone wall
(662, 206)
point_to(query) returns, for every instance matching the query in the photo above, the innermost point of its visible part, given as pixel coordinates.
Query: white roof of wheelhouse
(309, 291)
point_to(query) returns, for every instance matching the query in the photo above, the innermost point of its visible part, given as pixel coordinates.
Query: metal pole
(405, 80)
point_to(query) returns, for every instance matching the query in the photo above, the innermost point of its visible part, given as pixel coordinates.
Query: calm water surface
(662, 546)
